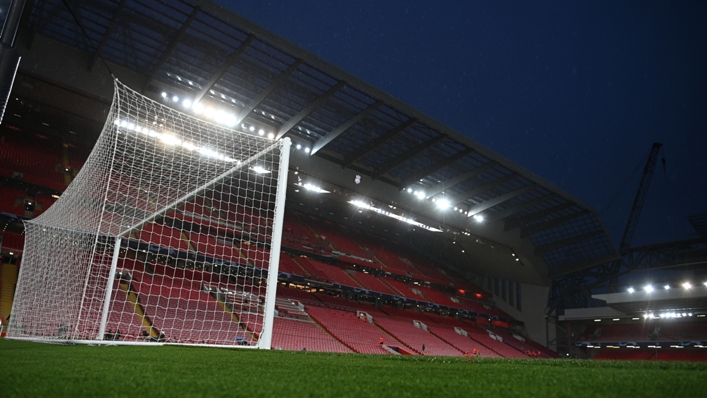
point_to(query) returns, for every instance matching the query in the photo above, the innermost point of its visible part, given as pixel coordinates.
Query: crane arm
(640, 197)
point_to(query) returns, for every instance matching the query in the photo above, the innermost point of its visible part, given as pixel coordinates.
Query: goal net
(167, 234)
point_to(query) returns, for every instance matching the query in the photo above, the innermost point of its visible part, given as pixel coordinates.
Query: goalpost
(170, 233)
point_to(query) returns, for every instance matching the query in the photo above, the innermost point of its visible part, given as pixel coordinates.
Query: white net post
(165, 236)
(265, 340)
(109, 289)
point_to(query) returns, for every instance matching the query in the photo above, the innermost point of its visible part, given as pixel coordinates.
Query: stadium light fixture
(666, 287)
(705, 284)
(307, 150)
(478, 218)
(271, 136)
(631, 290)
(687, 285)
(362, 205)
(648, 288)
(311, 187)
(164, 95)
(187, 103)
(175, 98)
(169, 139)
(299, 146)
(260, 170)
(443, 204)
(420, 195)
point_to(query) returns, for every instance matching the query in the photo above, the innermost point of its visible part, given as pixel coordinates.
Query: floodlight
(169, 139)
(186, 103)
(687, 285)
(443, 204)
(666, 287)
(631, 290)
(175, 98)
(648, 289)
(260, 170)
(299, 146)
(479, 218)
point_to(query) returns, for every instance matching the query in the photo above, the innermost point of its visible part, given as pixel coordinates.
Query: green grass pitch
(32, 370)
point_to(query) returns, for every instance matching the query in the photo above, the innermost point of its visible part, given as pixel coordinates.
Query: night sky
(575, 92)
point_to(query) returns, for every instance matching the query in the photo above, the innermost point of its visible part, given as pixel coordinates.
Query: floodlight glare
(631, 290)
(648, 289)
(186, 103)
(666, 287)
(687, 285)
(260, 170)
(175, 98)
(299, 146)
(479, 218)
(443, 204)
(164, 95)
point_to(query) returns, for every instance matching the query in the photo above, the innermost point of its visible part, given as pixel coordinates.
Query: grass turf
(32, 369)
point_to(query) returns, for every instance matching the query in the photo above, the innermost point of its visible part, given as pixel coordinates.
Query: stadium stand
(325, 272)
(415, 338)
(625, 354)
(35, 156)
(297, 335)
(13, 242)
(359, 335)
(372, 283)
(12, 200)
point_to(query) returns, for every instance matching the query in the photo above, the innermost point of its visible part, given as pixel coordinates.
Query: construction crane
(640, 197)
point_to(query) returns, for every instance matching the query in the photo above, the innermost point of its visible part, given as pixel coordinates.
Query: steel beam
(540, 250)
(434, 167)
(407, 155)
(364, 149)
(288, 125)
(282, 78)
(224, 68)
(551, 223)
(172, 45)
(344, 126)
(104, 39)
(520, 221)
(464, 196)
(487, 204)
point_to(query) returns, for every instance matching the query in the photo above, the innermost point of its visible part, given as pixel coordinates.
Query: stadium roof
(200, 51)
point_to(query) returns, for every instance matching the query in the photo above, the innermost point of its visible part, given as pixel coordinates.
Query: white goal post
(170, 233)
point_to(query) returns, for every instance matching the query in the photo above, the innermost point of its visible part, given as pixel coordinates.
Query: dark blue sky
(575, 92)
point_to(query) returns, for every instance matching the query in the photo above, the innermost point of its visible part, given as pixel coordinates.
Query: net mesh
(166, 234)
